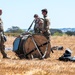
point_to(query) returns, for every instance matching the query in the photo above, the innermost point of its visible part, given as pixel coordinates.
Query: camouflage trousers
(2, 48)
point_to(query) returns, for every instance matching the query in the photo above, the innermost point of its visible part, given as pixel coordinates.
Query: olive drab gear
(1, 25)
(46, 27)
(46, 24)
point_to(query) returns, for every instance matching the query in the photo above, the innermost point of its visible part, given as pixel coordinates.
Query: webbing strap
(36, 45)
(36, 48)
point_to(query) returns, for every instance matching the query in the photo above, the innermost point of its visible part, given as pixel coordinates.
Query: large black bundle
(31, 46)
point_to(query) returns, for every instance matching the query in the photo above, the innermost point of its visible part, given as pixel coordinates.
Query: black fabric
(20, 51)
(57, 48)
(67, 56)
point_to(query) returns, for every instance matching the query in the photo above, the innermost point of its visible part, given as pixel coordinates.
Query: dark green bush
(57, 34)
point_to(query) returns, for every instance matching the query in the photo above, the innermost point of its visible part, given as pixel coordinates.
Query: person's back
(38, 24)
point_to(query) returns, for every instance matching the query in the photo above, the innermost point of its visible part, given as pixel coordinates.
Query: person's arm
(1, 26)
(48, 23)
(41, 21)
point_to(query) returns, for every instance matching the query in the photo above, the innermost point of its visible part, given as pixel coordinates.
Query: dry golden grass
(49, 66)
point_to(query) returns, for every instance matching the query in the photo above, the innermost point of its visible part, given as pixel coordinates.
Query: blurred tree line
(70, 33)
(15, 31)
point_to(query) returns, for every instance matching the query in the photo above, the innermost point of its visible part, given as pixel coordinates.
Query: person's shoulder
(47, 17)
(41, 18)
(0, 18)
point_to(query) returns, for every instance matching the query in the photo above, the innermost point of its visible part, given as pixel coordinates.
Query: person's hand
(43, 31)
(40, 22)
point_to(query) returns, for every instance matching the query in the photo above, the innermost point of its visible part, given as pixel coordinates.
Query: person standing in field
(46, 30)
(2, 40)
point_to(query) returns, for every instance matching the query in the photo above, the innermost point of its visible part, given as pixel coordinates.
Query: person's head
(0, 11)
(44, 11)
(36, 16)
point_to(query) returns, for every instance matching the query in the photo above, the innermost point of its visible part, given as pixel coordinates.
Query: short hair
(35, 15)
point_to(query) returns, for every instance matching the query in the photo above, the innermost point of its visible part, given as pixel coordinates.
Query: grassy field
(49, 66)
